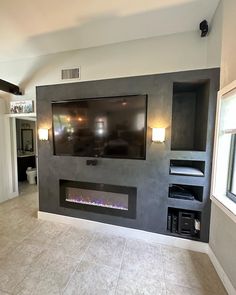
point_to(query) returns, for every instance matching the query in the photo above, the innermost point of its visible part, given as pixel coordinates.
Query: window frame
(222, 201)
(232, 169)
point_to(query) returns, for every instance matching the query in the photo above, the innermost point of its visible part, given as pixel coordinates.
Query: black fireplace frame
(130, 191)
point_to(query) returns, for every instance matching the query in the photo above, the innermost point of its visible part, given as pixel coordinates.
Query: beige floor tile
(15, 265)
(132, 283)
(11, 275)
(105, 249)
(141, 257)
(173, 255)
(190, 269)
(41, 258)
(73, 242)
(172, 289)
(47, 232)
(4, 293)
(138, 246)
(25, 188)
(38, 284)
(20, 230)
(48, 275)
(93, 279)
(26, 252)
(6, 245)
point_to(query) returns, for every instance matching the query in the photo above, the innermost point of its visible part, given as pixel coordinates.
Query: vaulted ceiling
(36, 27)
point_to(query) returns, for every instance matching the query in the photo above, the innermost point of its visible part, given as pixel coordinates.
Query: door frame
(10, 121)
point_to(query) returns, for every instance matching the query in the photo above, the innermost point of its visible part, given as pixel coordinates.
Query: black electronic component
(179, 192)
(169, 221)
(203, 28)
(174, 223)
(91, 162)
(186, 223)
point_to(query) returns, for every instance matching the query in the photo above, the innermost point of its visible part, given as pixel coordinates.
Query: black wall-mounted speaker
(204, 28)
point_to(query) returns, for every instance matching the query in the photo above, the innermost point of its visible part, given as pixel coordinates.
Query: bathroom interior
(26, 154)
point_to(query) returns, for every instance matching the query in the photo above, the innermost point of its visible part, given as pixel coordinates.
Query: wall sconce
(43, 134)
(158, 134)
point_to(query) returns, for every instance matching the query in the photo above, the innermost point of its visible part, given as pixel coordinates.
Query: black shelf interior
(183, 223)
(190, 115)
(186, 192)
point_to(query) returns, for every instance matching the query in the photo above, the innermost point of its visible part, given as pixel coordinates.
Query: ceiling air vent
(70, 74)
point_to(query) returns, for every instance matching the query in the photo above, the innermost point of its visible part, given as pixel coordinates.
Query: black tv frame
(100, 98)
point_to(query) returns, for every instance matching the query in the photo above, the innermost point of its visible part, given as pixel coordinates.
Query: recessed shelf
(190, 115)
(187, 167)
(184, 223)
(186, 192)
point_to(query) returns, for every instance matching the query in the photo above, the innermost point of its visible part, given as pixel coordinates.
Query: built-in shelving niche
(187, 168)
(184, 223)
(190, 115)
(191, 193)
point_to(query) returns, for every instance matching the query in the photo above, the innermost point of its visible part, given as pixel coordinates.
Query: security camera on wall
(204, 28)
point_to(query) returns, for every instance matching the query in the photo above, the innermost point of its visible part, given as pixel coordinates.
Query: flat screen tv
(111, 127)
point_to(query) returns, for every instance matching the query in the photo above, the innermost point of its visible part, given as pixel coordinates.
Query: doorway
(26, 155)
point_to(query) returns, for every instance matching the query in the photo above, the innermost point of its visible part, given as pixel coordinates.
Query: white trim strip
(221, 273)
(126, 232)
(18, 115)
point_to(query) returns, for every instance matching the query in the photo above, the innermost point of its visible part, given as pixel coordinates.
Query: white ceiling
(36, 27)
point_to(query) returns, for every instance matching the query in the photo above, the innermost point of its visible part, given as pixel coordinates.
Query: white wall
(223, 229)
(214, 43)
(228, 61)
(172, 53)
(4, 146)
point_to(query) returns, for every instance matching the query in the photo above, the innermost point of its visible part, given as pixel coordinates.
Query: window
(231, 189)
(224, 171)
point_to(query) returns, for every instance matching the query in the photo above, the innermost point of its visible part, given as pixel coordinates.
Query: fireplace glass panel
(97, 198)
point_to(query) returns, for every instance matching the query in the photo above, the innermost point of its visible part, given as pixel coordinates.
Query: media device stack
(183, 223)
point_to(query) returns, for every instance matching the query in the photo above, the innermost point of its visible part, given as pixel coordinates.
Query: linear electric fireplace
(98, 197)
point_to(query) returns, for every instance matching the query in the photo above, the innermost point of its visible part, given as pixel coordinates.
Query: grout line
(122, 259)
(79, 261)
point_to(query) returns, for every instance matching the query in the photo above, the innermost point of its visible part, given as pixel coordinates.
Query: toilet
(31, 175)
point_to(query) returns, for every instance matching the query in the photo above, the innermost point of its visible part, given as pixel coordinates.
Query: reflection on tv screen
(113, 127)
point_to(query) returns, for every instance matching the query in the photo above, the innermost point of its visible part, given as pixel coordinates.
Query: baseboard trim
(221, 273)
(126, 232)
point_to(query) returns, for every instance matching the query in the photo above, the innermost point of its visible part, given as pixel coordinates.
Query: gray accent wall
(150, 176)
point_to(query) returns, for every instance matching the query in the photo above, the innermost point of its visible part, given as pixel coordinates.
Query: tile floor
(46, 258)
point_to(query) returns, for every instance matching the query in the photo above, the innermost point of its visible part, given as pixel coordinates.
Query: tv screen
(112, 127)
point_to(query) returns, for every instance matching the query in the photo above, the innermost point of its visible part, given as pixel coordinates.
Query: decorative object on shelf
(43, 134)
(158, 134)
(21, 107)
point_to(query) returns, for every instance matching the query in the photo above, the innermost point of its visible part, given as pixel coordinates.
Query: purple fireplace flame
(97, 198)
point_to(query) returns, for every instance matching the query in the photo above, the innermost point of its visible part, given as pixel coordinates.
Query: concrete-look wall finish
(223, 229)
(151, 176)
